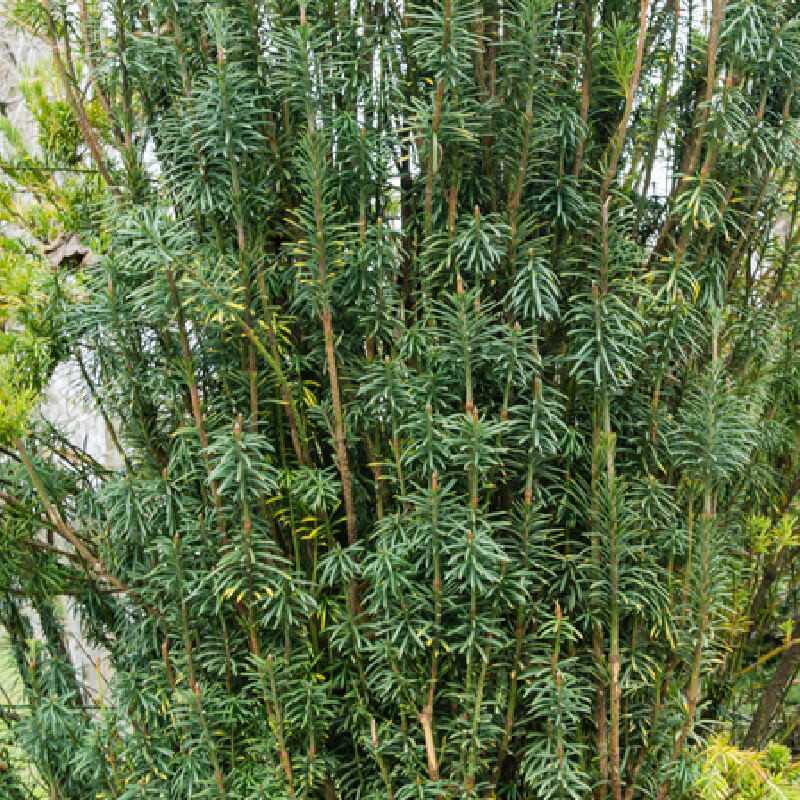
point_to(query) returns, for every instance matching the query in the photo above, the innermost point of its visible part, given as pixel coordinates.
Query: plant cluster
(450, 352)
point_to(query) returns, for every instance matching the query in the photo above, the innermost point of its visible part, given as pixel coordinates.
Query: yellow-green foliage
(770, 538)
(728, 773)
(15, 404)
(59, 134)
(38, 202)
(24, 352)
(27, 14)
(10, 754)
(58, 131)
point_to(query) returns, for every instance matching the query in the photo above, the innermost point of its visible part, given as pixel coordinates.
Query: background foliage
(450, 354)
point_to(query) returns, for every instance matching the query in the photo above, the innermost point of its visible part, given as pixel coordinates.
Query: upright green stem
(426, 716)
(618, 139)
(280, 732)
(520, 626)
(613, 568)
(219, 777)
(326, 313)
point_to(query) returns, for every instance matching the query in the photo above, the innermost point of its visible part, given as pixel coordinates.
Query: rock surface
(64, 402)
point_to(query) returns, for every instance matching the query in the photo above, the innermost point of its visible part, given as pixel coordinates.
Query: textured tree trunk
(773, 694)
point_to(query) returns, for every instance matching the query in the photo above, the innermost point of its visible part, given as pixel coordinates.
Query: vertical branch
(89, 51)
(520, 626)
(297, 428)
(241, 239)
(67, 75)
(601, 709)
(127, 110)
(426, 717)
(326, 315)
(689, 163)
(661, 109)
(194, 394)
(436, 121)
(618, 139)
(692, 152)
(609, 446)
(693, 689)
(338, 416)
(694, 686)
(186, 352)
(586, 82)
(613, 568)
(518, 184)
(600, 429)
(194, 686)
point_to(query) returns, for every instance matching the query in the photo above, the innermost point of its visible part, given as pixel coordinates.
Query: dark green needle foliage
(449, 352)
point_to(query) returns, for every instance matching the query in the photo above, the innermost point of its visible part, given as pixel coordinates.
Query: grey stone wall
(64, 402)
(66, 405)
(19, 54)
